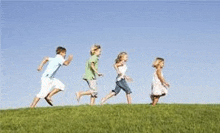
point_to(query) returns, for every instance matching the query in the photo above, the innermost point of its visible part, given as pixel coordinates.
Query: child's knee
(61, 87)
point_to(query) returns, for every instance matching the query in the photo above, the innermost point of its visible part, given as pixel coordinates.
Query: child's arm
(69, 59)
(161, 78)
(93, 68)
(129, 79)
(44, 61)
(116, 65)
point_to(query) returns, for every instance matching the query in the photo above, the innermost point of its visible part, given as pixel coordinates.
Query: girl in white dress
(159, 85)
(121, 84)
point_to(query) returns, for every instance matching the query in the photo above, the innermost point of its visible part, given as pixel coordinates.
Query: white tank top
(122, 69)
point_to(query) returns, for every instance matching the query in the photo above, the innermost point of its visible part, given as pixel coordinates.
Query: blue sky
(186, 34)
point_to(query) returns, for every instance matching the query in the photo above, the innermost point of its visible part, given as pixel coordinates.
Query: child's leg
(152, 99)
(92, 100)
(111, 94)
(59, 86)
(35, 101)
(123, 84)
(53, 92)
(82, 93)
(128, 98)
(48, 97)
(156, 99)
(46, 85)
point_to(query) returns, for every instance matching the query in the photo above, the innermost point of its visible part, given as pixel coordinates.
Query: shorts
(93, 87)
(47, 84)
(122, 84)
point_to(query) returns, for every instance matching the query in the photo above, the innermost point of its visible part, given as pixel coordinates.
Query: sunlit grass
(136, 118)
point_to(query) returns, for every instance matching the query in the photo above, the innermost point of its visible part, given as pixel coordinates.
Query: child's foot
(77, 96)
(102, 101)
(163, 94)
(152, 98)
(49, 101)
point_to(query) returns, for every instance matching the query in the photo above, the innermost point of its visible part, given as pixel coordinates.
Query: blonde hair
(94, 48)
(120, 55)
(157, 61)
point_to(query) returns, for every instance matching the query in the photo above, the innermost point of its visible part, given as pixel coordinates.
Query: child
(159, 85)
(121, 68)
(47, 80)
(91, 74)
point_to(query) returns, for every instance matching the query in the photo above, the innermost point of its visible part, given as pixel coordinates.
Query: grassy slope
(167, 118)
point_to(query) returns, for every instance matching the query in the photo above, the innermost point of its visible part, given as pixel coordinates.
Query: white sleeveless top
(156, 80)
(122, 69)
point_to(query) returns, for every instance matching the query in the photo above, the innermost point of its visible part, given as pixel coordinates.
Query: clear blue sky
(186, 34)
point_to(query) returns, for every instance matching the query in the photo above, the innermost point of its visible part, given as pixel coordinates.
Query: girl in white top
(159, 85)
(121, 68)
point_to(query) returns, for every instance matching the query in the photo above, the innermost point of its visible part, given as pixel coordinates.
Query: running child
(91, 74)
(121, 68)
(47, 80)
(159, 85)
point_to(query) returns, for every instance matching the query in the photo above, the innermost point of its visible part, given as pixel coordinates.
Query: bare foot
(49, 101)
(102, 101)
(77, 96)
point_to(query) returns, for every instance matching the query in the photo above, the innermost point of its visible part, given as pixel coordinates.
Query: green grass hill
(118, 118)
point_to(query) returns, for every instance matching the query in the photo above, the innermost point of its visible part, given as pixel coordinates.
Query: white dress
(157, 87)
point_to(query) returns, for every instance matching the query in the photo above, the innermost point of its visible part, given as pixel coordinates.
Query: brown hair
(60, 49)
(120, 55)
(157, 61)
(94, 48)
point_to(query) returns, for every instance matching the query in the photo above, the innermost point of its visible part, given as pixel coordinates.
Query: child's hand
(128, 79)
(100, 74)
(119, 73)
(70, 57)
(39, 68)
(166, 85)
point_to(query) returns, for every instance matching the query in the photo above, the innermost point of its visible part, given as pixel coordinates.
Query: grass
(136, 118)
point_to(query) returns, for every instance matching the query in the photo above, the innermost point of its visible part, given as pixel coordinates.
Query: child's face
(125, 58)
(98, 52)
(63, 53)
(162, 64)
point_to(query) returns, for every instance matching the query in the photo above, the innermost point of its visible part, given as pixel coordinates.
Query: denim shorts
(122, 84)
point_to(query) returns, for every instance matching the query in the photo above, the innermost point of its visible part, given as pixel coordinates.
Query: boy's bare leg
(128, 98)
(35, 101)
(111, 94)
(92, 100)
(53, 92)
(156, 99)
(82, 93)
(48, 97)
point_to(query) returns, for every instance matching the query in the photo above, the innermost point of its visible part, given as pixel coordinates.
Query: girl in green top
(91, 74)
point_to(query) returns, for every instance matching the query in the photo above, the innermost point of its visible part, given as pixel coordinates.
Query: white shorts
(47, 84)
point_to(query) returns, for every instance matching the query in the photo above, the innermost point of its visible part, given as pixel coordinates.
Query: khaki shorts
(93, 87)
